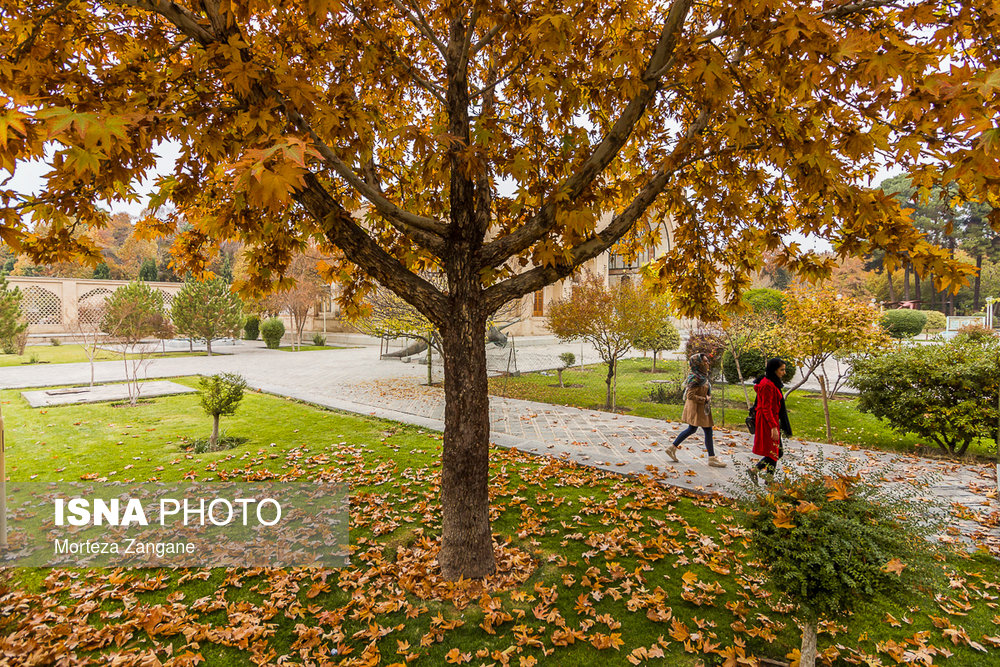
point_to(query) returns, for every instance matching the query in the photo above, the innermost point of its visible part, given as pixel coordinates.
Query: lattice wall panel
(168, 300)
(40, 306)
(89, 306)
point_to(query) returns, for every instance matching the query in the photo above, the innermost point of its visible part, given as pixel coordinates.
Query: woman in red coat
(771, 418)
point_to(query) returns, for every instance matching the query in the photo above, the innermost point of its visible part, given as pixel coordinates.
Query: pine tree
(206, 310)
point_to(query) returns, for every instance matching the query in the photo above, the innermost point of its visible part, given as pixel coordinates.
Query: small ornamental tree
(609, 318)
(945, 393)
(87, 327)
(705, 341)
(207, 309)
(303, 290)
(566, 359)
(271, 331)
(903, 322)
(820, 326)
(132, 314)
(12, 323)
(221, 395)
(102, 271)
(664, 338)
(750, 338)
(834, 542)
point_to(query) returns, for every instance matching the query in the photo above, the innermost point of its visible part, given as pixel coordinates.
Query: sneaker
(714, 462)
(672, 453)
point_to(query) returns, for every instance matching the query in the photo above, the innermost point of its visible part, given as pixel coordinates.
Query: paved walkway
(355, 380)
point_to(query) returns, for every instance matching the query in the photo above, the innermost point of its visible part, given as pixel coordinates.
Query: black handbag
(751, 420)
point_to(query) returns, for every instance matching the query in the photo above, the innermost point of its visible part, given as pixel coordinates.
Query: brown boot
(714, 462)
(672, 453)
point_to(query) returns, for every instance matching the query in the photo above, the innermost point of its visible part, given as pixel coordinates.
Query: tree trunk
(655, 352)
(808, 651)
(976, 284)
(559, 372)
(906, 281)
(892, 288)
(190, 344)
(609, 397)
(826, 405)
(208, 346)
(466, 538)
(215, 432)
(916, 290)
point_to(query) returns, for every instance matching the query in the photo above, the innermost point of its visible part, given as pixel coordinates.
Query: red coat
(769, 399)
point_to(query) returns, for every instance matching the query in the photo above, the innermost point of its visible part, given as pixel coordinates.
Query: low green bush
(946, 393)
(319, 340)
(272, 330)
(976, 333)
(903, 322)
(835, 541)
(936, 321)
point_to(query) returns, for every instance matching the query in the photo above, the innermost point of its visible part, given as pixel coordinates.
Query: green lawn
(68, 354)
(805, 408)
(610, 566)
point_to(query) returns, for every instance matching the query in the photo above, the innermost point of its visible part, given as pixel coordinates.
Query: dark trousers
(769, 464)
(689, 431)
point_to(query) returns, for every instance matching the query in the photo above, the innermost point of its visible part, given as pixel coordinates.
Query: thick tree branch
(184, 19)
(500, 250)
(428, 232)
(343, 231)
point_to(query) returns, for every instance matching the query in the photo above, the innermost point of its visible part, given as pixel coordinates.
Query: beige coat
(694, 407)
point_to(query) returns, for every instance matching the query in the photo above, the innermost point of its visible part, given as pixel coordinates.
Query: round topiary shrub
(752, 364)
(765, 300)
(903, 323)
(272, 330)
(251, 328)
(936, 321)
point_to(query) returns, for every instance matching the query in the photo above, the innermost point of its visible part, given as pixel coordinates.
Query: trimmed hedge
(272, 330)
(251, 328)
(903, 323)
(936, 321)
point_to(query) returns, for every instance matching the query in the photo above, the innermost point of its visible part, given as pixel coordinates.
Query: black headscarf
(771, 371)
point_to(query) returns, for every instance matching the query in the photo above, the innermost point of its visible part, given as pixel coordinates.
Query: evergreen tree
(11, 319)
(206, 310)
(148, 271)
(102, 271)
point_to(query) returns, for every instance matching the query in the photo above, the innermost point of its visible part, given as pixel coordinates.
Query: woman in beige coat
(697, 409)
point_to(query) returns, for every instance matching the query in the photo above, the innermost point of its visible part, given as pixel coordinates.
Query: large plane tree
(502, 144)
